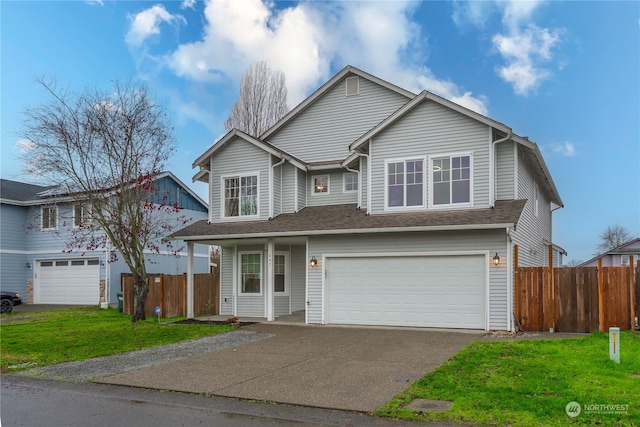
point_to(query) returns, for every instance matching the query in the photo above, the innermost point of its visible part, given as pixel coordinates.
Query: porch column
(190, 280)
(270, 310)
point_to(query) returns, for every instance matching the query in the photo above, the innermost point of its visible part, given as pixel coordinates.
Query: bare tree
(103, 150)
(262, 101)
(573, 263)
(612, 237)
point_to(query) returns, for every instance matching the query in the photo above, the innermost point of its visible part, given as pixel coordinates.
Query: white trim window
(49, 217)
(281, 273)
(80, 215)
(405, 183)
(250, 273)
(320, 184)
(451, 183)
(240, 196)
(349, 182)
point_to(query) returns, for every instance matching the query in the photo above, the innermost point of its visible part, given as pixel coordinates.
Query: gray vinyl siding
(326, 128)
(226, 280)
(238, 157)
(493, 241)
(505, 171)
(302, 189)
(531, 229)
(336, 195)
(13, 256)
(288, 188)
(169, 192)
(298, 277)
(277, 188)
(431, 129)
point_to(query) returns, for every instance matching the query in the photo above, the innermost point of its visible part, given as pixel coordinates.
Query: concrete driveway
(348, 368)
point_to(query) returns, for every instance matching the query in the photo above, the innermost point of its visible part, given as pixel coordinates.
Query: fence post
(600, 297)
(632, 293)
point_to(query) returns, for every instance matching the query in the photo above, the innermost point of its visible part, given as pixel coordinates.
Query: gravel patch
(90, 369)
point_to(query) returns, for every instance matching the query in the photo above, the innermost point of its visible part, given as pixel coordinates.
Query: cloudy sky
(565, 74)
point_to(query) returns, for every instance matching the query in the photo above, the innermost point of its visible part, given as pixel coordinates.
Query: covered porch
(262, 278)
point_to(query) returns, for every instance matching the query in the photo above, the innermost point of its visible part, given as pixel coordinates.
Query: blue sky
(565, 74)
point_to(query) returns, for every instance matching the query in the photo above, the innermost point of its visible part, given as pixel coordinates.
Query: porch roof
(347, 219)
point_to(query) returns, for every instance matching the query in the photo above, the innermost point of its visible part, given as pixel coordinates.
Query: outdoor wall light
(28, 266)
(496, 259)
(313, 262)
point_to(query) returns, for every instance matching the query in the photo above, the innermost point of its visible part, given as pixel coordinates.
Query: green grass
(529, 383)
(29, 340)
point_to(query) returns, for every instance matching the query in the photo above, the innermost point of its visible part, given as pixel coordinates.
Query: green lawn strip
(50, 337)
(529, 383)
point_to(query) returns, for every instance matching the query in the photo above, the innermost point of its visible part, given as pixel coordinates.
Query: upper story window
(241, 196)
(49, 217)
(321, 184)
(80, 215)
(350, 182)
(405, 183)
(451, 182)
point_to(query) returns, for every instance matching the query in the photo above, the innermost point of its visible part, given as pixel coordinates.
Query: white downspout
(510, 296)
(492, 165)
(190, 280)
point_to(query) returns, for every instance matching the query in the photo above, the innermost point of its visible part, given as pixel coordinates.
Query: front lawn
(530, 383)
(44, 338)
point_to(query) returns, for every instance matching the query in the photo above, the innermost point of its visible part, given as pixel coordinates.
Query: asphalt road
(34, 402)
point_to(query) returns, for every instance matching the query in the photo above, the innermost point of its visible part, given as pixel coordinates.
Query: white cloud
(524, 46)
(524, 53)
(25, 145)
(305, 41)
(147, 23)
(188, 4)
(565, 149)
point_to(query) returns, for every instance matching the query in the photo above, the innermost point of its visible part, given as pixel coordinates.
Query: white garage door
(69, 281)
(426, 291)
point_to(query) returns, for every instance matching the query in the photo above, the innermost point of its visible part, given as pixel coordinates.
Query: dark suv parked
(8, 300)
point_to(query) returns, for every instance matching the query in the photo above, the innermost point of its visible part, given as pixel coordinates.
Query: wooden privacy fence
(576, 299)
(169, 292)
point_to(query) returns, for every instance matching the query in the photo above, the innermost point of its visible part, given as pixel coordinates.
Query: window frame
(287, 274)
(83, 215)
(223, 179)
(314, 187)
(241, 293)
(49, 208)
(404, 207)
(450, 205)
(344, 182)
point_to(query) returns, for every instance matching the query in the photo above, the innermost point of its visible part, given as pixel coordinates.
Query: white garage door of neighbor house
(68, 281)
(425, 291)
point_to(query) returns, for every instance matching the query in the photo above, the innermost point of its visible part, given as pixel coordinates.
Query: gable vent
(352, 85)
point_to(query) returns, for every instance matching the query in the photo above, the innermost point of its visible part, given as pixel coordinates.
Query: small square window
(321, 184)
(49, 217)
(350, 182)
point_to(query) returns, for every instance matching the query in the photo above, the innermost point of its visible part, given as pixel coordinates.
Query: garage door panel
(68, 282)
(429, 291)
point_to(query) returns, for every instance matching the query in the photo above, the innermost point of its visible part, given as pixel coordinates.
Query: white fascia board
(345, 231)
(202, 175)
(203, 160)
(324, 167)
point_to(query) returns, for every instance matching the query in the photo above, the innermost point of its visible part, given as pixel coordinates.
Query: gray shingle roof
(336, 219)
(20, 191)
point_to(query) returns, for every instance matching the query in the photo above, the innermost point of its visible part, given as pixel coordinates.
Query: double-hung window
(241, 196)
(350, 182)
(49, 217)
(405, 183)
(80, 215)
(250, 273)
(451, 183)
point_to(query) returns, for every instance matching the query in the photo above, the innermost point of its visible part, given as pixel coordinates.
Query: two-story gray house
(35, 225)
(368, 204)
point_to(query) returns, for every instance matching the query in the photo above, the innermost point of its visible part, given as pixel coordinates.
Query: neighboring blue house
(34, 232)
(368, 204)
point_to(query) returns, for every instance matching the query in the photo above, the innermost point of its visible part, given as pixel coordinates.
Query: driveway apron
(329, 367)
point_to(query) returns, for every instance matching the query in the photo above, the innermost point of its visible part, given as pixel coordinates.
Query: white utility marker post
(190, 280)
(614, 344)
